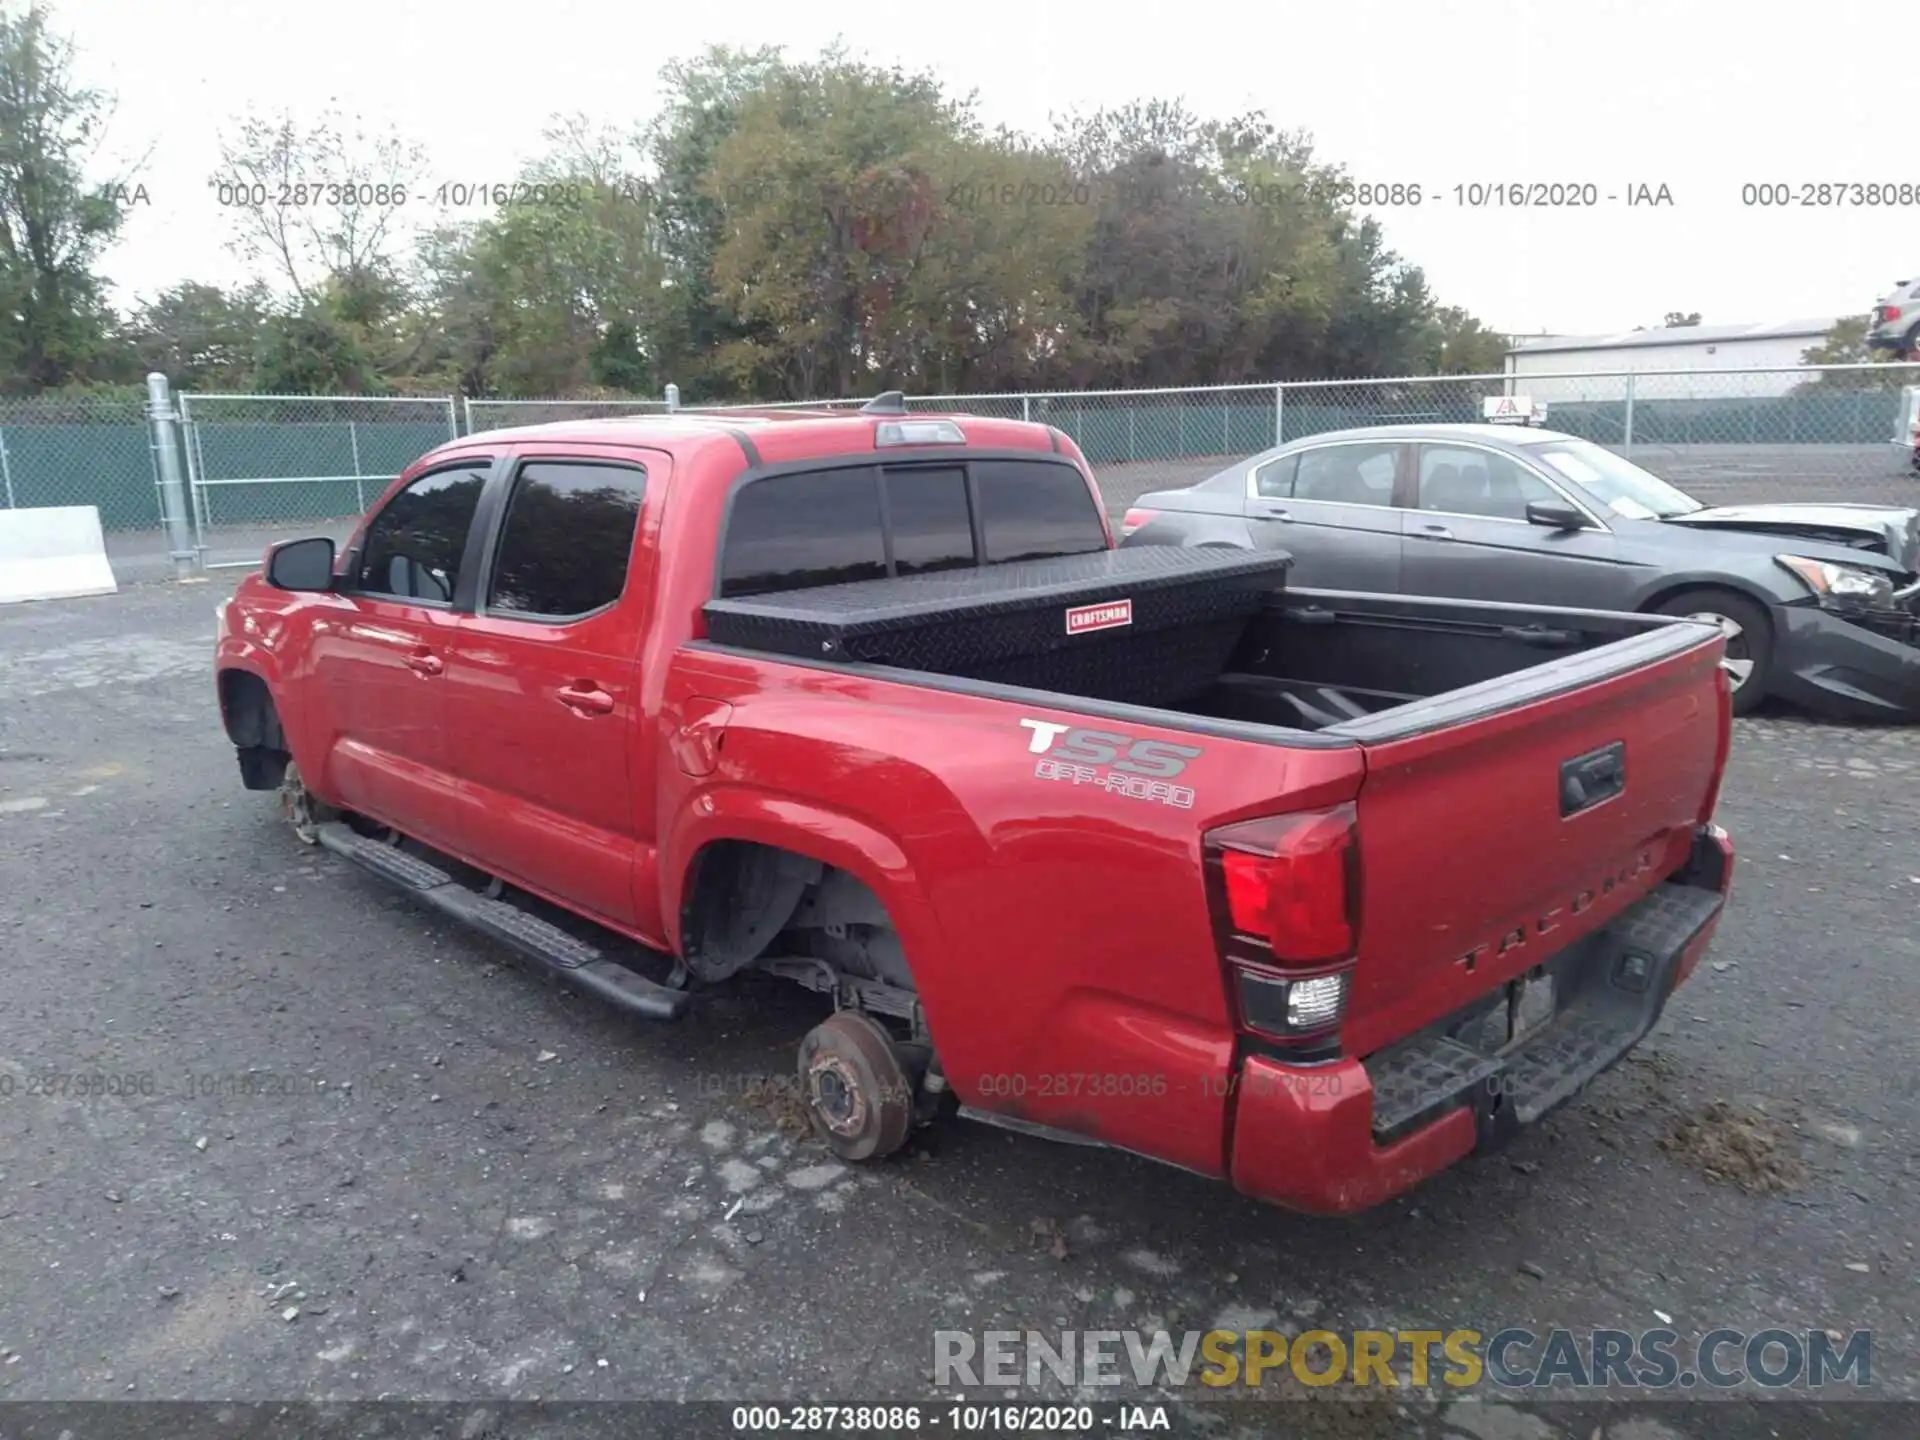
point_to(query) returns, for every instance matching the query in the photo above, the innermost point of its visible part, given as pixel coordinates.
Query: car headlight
(1847, 584)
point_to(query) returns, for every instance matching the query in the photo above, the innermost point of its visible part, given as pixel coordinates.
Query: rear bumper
(1338, 1138)
(1840, 668)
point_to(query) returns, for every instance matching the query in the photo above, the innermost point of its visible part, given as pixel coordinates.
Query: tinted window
(1463, 481)
(796, 531)
(1347, 474)
(413, 546)
(1032, 509)
(1274, 480)
(932, 524)
(568, 534)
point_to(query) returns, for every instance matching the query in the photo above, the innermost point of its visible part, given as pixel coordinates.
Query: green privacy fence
(75, 463)
(261, 473)
(283, 459)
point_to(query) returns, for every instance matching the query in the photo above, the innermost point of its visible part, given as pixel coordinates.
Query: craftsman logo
(1110, 616)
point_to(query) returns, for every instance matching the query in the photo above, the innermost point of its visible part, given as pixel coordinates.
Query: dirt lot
(355, 1154)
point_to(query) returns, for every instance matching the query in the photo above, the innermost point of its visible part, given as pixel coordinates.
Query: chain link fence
(81, 450)
(258, 463)
(1844, 432)
(259, 466)
(510, 414)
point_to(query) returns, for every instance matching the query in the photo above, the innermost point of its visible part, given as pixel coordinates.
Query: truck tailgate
(1501, 822)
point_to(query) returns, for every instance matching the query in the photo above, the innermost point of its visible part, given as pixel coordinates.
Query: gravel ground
(448, 1179)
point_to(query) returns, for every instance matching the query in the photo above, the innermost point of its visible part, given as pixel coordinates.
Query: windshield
(1622, 486)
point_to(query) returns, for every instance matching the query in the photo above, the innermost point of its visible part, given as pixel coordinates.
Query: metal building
(1703, 349)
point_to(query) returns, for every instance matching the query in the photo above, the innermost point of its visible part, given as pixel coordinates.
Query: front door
(543, 688)
(380, 657)
(1331, 508)
(1468, 537)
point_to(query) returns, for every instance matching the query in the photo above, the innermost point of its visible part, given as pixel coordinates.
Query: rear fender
(1192, 528)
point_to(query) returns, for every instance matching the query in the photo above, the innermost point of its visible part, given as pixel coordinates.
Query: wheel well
(252, 722)
(746, 902)
(248, 712)
(1697, 587)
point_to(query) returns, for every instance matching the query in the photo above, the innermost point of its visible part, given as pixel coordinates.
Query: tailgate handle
(1588, 779)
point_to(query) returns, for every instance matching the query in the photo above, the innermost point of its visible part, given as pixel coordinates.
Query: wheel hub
(834, 1094)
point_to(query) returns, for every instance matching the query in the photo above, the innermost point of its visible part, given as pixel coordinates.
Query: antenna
(892, 402)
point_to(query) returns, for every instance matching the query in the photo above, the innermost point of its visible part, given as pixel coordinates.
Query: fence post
(1026, 410)
(353, 440)
(673, 398)
(186, 560)
(1626, 443)
(1279, 414)
(6, 469)
(196, 472)
(160, 414)
(466, 407)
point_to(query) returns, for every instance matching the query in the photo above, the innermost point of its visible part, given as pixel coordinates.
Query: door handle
(425, 662)
(1273, 513)
(1436, 532)
(587, 698)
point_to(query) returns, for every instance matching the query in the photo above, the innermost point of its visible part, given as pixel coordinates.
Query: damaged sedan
(1819, 602)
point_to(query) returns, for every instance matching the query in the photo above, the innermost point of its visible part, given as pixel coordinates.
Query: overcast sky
(1702, 97)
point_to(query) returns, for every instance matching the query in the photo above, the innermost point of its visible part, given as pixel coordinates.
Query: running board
(579, 964)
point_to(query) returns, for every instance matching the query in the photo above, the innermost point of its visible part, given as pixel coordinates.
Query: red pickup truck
(1313, 892)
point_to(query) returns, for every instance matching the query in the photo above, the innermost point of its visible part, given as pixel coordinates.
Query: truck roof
(775, 435)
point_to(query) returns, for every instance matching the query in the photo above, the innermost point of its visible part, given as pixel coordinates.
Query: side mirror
(301, 565)
(1555, 515)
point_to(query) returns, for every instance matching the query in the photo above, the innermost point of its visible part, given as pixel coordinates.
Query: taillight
(1288, 891)
(1890, 312)
(1291, 883)
(1134, 519)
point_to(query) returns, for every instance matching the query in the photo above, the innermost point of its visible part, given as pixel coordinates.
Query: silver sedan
(1820, 603)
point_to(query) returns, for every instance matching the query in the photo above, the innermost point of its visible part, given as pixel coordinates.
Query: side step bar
(574, 961)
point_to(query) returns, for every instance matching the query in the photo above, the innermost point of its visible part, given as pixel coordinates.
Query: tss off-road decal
(1139, 769)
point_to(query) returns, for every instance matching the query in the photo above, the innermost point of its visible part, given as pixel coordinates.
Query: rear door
(1332, 508)
(543, 704)
(1476, 862)
(1468, 537)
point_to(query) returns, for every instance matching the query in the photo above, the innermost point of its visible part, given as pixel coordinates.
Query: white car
(1895, 324)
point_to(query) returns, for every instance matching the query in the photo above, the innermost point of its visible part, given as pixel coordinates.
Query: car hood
(1889, 530)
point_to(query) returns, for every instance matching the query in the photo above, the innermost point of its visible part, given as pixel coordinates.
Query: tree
(705, 97)
(557, 295)
(53, 225)
(1846, 344)
(200, 336)
(1461, 345)
(824, 183)
(318, 204)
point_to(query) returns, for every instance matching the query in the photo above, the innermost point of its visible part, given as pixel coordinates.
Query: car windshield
(1622, 486)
